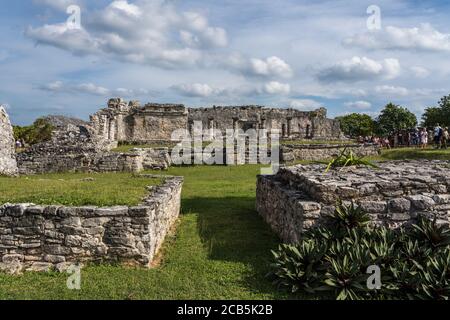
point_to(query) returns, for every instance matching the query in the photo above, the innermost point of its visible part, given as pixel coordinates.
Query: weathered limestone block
(8, 164)
(393, 195)
(39, 238)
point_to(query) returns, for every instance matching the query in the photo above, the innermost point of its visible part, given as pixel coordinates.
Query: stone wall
(133, 161)
(131, 122)
(298, 197)
(8, 165)
(38, 238)
(311, 152)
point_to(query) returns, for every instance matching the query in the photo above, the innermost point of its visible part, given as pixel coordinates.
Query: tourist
(423, 138)
(445, 136)
(18, 144)
(387, 145)
(437, 136)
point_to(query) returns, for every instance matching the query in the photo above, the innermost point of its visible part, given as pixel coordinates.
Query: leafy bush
(346, 159)
(333, 259)
(41, 130)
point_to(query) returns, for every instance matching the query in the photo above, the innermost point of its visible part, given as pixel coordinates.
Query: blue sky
(299, 54)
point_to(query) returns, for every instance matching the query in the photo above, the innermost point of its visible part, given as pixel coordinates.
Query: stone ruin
(52, 237)
(298, 197)
(8, 165)
(86, 146)
(131, 122)
(75, 147)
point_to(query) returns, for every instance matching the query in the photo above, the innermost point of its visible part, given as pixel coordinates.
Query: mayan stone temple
(131, 122)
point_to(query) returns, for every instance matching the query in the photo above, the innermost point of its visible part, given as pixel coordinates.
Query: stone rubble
(298, 197)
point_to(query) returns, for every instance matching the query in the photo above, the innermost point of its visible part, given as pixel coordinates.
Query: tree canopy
(393, 118)
(439, 114)
(40, 131)
(357, 124)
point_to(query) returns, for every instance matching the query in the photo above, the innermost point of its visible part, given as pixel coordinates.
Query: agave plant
(345, 278)
(299, 266)
(435, 277)
(348, 158)
(430, 233)
(348, 217)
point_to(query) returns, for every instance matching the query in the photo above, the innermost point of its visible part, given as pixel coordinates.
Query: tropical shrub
(41, 130)
(333, 260)
(346, 159)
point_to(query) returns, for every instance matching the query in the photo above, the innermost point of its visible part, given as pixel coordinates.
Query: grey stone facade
(8, 165)
(130, 122)
(298, 197)
(39, 238)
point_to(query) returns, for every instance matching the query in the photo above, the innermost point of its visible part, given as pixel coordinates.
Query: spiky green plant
(429, 233)
(346, 159)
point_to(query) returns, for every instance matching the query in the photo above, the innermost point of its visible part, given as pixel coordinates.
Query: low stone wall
(298, 197)
(38, 238)
(133, 161)
(311, 152)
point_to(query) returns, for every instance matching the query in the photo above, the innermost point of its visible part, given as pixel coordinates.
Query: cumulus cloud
(360, 68)
(420, 72)
(360, 105)
(146, 32)
(392, 90)
(305, 104)
(275, 88)
(196, 90)
(424, 38)
(204, 90)
(90, 88)
(271, 67)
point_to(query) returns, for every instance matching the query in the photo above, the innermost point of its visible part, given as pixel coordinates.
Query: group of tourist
(419, 138)
(382, 142)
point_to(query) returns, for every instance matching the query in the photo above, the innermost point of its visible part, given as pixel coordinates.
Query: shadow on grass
(233, 231)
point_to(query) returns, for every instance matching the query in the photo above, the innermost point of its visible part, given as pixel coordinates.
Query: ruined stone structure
(74, 147)
(312, 152)
(39, 238)
(130, 122)
(298, 197)
(8, 165)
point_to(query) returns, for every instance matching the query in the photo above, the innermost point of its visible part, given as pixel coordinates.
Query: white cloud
(360, 68)
(271, 67)
(420, 72)
(305, 104)
(276, 88)
(196, 90)
(392, 90)
(145, 32)
(90, 88)
(360, 105)
(424, 37)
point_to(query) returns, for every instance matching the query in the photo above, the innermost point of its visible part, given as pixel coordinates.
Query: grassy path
(221, 250)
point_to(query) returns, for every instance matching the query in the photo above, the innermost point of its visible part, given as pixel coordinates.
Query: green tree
(41, 130)
(357, 124)
(439, 114)
(393, 118)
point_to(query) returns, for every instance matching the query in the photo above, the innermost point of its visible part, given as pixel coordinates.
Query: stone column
(289, 126)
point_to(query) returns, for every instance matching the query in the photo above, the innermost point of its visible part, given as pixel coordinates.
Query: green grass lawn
(413, 153)
(105, 189)
(221, 250)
